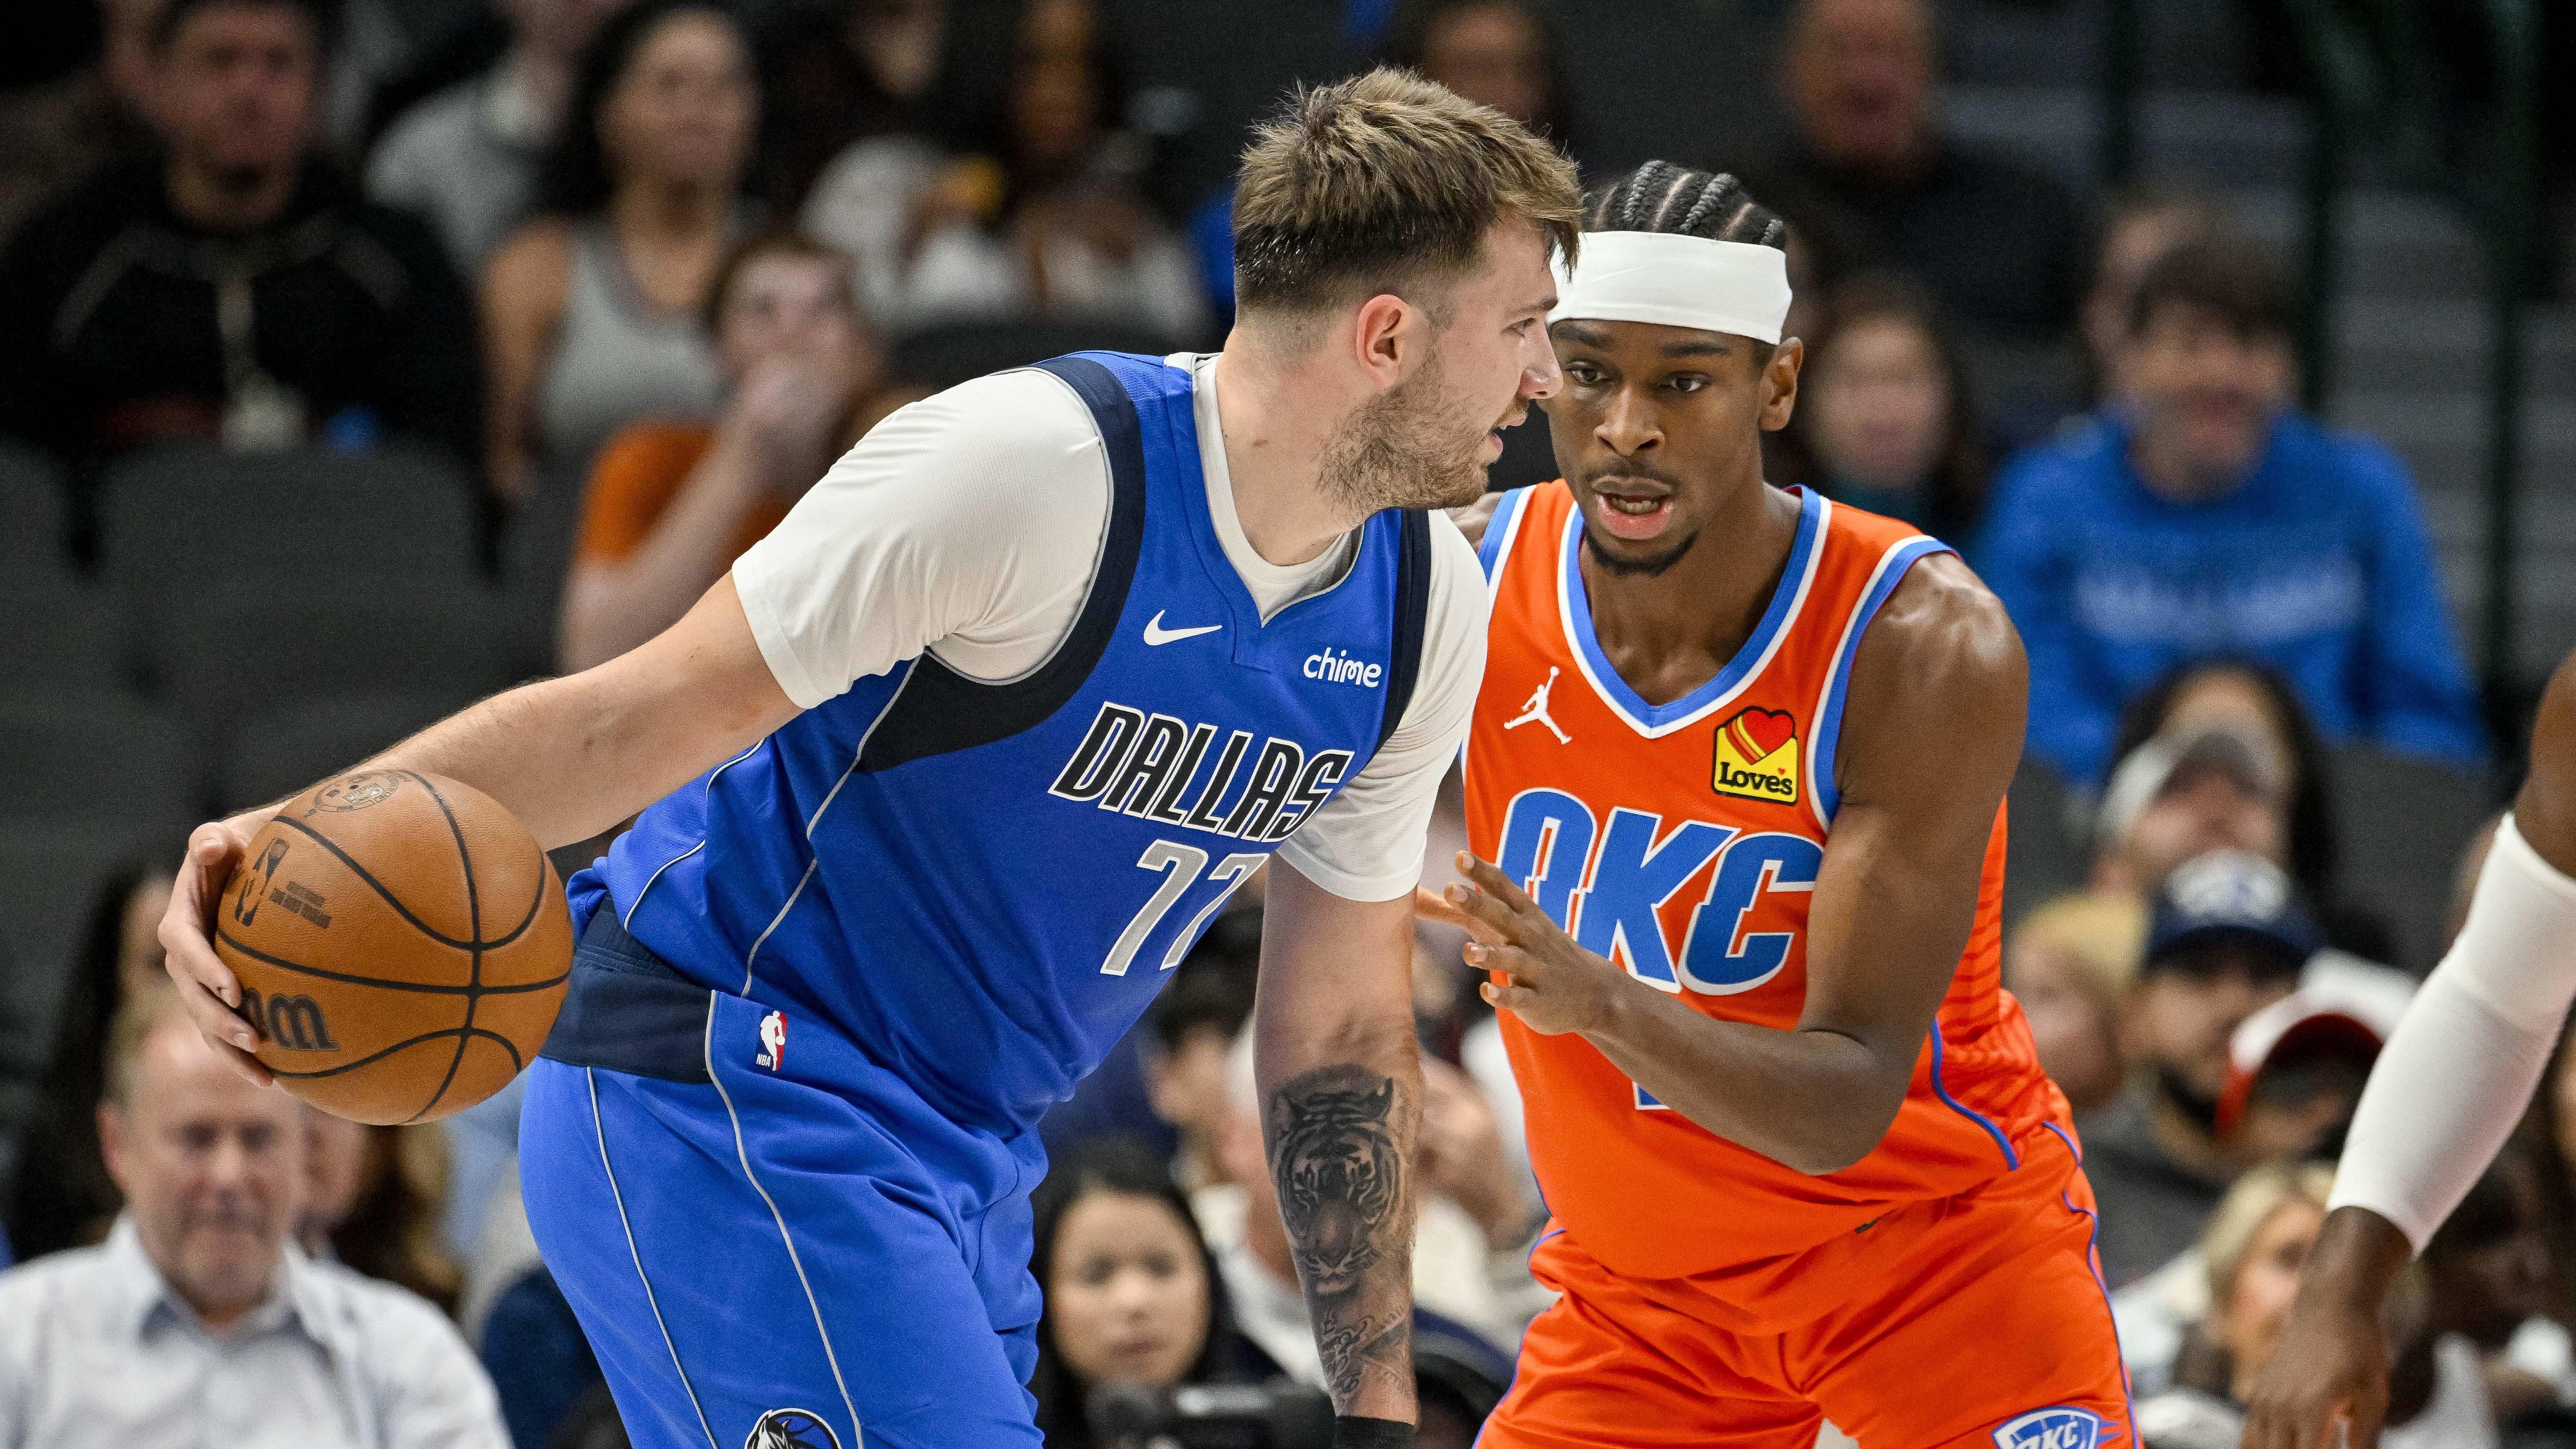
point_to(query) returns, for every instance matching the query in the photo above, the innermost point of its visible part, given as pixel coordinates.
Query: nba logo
(773, 1041)
(2059, 1428)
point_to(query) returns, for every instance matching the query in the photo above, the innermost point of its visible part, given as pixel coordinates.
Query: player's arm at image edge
(1932, 731)
(2442, 1098)
(569, 756)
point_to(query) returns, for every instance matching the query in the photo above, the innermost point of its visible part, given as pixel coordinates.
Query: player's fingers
(1511, 961)
(1429, 907)
(1509, 998)
(1485, 918)
(2368, 1410)
(190, 954)
(1497, 884)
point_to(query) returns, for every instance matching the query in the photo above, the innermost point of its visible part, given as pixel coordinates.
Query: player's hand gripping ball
(402, 945)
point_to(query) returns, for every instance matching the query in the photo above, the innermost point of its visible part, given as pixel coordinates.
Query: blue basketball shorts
(769, 1240)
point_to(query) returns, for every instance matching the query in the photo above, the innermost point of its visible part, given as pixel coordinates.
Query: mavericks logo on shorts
(2059, 1428)
(1757, 756)
(791, 1429)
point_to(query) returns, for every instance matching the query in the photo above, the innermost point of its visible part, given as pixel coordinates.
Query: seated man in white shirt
(199, 1321)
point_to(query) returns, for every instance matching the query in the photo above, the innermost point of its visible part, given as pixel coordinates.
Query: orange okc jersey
(1682, 841)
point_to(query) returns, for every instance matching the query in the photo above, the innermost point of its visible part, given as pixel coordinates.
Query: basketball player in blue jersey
(948, 773)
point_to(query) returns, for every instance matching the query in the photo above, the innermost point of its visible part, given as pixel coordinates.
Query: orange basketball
(402, 945)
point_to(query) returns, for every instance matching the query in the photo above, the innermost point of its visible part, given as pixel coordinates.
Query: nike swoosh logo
(1155, 633)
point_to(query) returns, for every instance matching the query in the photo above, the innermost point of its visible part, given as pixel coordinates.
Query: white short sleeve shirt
(929, 537)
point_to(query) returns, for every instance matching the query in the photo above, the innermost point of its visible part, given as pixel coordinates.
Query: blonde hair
(143, 1013)
(1381, 182)
(2102, 932)
(2260, 1193)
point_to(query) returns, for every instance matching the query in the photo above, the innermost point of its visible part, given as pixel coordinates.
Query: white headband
(1679, 281)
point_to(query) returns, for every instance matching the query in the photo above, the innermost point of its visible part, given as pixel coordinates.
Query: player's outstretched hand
(206, 985)
(2330, 1369)
(1555, 985)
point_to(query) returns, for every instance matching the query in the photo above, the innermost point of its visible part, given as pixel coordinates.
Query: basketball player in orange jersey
(1738, 762)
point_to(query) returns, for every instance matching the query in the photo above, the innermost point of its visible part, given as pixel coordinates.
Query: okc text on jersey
(1146, 764)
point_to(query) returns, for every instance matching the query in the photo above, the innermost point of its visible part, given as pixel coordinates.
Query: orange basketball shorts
(1992, 1331)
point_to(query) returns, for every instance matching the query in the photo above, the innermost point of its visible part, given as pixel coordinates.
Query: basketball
(402, 945)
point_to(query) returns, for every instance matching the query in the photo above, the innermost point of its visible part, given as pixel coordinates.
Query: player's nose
(1542, 378)
(1628, 425)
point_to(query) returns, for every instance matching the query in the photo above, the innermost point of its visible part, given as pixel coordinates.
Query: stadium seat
(173, 518)
(265, 643)
(947, 355)
(279, 751)
(536, 553)
(2400, 825)
(2044, 854)
(50, 876)
(35, 537)
(59, 634)
(96, 760)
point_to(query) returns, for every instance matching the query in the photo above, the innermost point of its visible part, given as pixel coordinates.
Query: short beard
(1396, 451)
(1652, 566)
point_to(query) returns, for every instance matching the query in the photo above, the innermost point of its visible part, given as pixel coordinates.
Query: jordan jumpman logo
(1536, 711)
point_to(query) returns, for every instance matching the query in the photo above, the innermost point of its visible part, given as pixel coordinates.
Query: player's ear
(1780, 383)
(1388, 336)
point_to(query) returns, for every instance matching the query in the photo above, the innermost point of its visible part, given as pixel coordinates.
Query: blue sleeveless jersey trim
(982, 896)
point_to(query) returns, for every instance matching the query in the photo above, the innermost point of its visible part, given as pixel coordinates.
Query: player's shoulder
(1022, 407)
(1941, 612)
(990, 435)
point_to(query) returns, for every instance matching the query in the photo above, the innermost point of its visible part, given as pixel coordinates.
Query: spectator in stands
(1052, 224)
(2488, 1273)
(2194, 788)
(2250, 1256)
(594, 312)
(2294, 1073)
(60, 1193)
(2547, 1138)
(542, 1367)
(1195, 1023)
(2071, 964)
(1132, 1295)
(2001, 245)
(231, 286)
(371, 1203)
(2253, 702)
(670, 504)
(843, 72)
(1499, 53)
(467, 157)
(1884, 420)
(2479, 1278)
(199, 1314)
(2138, 228)
(2227, 938)
(75, 96)
(2200, 517)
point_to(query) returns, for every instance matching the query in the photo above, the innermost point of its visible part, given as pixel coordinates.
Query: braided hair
(1662, 197)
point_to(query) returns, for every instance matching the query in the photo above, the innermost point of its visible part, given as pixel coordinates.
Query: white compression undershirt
(2463, 1062)
(968, 525)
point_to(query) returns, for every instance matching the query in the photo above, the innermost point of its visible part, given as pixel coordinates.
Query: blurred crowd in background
(360, 356)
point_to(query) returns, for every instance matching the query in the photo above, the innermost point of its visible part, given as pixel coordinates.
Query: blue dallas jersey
(982, 886)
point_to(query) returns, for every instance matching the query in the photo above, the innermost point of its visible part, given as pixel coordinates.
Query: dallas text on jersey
(1146, 764)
